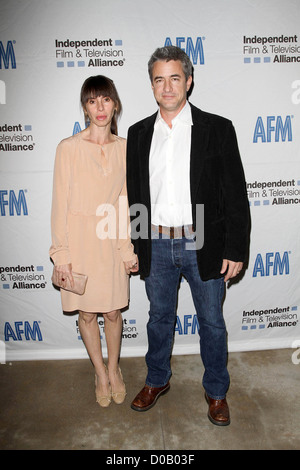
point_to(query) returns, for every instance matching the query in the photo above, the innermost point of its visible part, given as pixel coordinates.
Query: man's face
(170, 86)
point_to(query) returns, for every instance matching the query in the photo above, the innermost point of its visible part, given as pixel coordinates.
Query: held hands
(132, 266)
(232, 267)
(64, 272)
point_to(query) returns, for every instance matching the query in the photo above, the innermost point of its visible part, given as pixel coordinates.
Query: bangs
(98, 86)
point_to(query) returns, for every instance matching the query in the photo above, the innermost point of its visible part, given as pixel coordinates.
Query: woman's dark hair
(100, 85)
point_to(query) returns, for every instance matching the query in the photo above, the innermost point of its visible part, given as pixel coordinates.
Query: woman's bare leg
(90, 333)
(113, 325)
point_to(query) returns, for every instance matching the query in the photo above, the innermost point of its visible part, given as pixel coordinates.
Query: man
(178, 160)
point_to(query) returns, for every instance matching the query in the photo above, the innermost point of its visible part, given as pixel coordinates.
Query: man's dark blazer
(217, 181)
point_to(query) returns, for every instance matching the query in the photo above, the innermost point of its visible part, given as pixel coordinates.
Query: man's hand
(232, 267)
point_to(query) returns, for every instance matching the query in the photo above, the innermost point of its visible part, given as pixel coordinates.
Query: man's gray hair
(171, 53)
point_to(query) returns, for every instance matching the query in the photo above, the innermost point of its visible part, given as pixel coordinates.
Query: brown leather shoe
(218, 411)
(147, 397)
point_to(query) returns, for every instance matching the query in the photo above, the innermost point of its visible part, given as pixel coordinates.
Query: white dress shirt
(169, 167)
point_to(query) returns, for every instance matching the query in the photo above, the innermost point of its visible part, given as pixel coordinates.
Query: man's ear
(189, 82)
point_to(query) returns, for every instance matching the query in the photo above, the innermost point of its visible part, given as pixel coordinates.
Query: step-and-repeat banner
(246, 58)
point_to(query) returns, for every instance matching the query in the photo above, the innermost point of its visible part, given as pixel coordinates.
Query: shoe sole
(146, 408)
(218, 423)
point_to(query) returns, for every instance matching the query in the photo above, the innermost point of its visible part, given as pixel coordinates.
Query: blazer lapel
(144, 146)
(199, 142)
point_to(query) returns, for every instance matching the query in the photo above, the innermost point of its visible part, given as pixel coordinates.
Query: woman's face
(100, 110)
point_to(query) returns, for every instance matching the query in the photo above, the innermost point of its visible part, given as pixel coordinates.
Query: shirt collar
(184, 117)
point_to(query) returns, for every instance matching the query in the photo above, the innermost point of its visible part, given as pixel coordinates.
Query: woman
(89, 174)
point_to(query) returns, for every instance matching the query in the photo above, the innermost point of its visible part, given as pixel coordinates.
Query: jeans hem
(150, 384)
(215, 397)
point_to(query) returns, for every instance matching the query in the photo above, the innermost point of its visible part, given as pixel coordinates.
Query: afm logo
(189, 325)
(76, 128)
(194, 51)
(19, 331)
(272, 264)
(273, 128)
(7, 55)
(16, 204)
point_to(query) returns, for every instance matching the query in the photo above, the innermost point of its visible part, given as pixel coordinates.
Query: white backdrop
(246, 57)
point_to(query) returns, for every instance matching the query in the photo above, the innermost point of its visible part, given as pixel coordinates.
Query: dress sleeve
(59, 250)
(124, 241)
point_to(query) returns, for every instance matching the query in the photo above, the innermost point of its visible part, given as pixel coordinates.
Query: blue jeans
(171, 259)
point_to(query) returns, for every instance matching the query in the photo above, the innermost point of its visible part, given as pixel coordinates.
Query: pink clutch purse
(80, 281)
